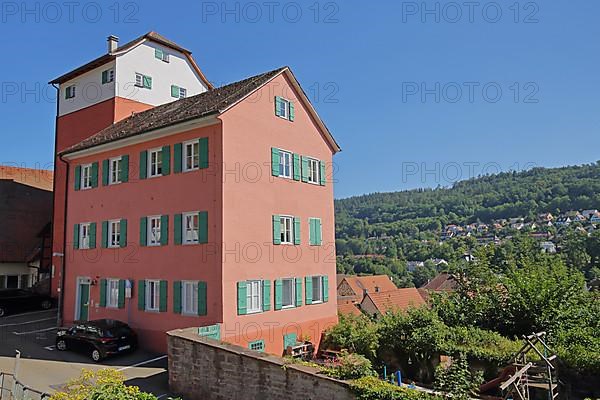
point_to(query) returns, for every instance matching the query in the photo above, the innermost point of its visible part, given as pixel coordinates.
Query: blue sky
(416, 97)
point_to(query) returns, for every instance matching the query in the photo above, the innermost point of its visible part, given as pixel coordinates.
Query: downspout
(64, 257)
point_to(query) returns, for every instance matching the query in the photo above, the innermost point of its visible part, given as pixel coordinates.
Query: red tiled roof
(347, 308)
(399, 299)
(371, 284)
(37, 178)
(442, 282)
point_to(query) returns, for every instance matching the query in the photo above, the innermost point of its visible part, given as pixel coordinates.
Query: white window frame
(286, 108)
(84, 235)
(314, 171)
(70, 92)
(152, 296)
(154, 230)
(114, 176)
(86, 177)
(112, 293)
(292, 293)
(289, 157)
(320, 285)
(154, 172)
(189, 297)
(195, 158)
(114, 233)
(165, 57)
(287, 236)
(181, 92)
(110, 75)
(254, 297)
(190, 236)
(139, 80)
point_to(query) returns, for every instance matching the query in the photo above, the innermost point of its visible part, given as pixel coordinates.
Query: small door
(84, 301)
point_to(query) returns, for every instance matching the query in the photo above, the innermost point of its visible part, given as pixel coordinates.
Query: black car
(20, 300)
(99, 339)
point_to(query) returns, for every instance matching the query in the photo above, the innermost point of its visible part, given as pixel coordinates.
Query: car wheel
(61, 345)
(46, 305)
(2, 312)
(96, 356)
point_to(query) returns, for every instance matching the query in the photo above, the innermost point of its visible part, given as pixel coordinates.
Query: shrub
(350, 366)
(357, 334)
(372, 388)
(457, 379)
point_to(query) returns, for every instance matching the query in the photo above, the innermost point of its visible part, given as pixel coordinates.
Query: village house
(411, 266)
(588, 213)
(377, 304)
(443, 282)
(563, 220)
(353, 287)
(164, 228)
(545, 217)
(548, 247)
(595, 218)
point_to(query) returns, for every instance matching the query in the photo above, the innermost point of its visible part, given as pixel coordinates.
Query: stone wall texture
(204, 369)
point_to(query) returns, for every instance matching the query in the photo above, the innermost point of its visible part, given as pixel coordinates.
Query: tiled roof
(210, 102)
(370, 283)
(37, 178)
(399, 299)
(442, 282)
(348, 308)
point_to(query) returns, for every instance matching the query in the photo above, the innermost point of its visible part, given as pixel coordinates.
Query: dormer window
(108, 76)
(70, 92)
(143, 81)
(161, 55)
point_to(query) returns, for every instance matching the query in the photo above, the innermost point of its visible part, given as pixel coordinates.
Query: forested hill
(505, 195)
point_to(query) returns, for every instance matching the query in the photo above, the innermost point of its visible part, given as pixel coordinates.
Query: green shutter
(178, 229)
(292, 115)
(158, 53)
(95, 175)
(93, 235)
(104, 77)
(144, 231)
(277, 101)
(297, 169)
(124, 176)
(104, 234)
(312, 234)
(290, 340)
(76, 236)
(143, 165)
(141, 295)
(177, 297)
(102, 292)
(121, 293)
(147, 82)
(178, 158)
(304, 169)
(78, 177)
(308, 289)
(164, 230)
(278, 294)
(105, 170)
(274, 161)
(297, 235)
(266, 289)
(175, 91)
(241, 298)
(325, 289)
(298, 292)
(166, 160)
(123, 238)
(276, 229)
(322, 174)
(203, 153)
(202, 299)
(203, 227)
(163, 296)
(319, 231)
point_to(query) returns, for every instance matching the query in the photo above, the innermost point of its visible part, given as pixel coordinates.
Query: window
(285, 164)
(152, 295)
(317, 289)
(143, 81)
(114, 233)
(112, 293)
(283, 108)
(254, 296)
(70, 92)
(288, 289)
(314, 171)
(190, 228)
(189, 298)
(108, 76)
(287, 230)
(191, 155)
(86, 176)
(161, 55)
(115, 166)
(84, 236)
(178, 92)
(154, 231)
(155, 162)
(258, 345)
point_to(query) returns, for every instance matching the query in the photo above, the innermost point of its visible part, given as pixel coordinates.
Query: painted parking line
(36, 331)
(50, 348)
(143, 363)
(28, 322)
(29, 313)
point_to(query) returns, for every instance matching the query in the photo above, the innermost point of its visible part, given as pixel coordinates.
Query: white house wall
(89, 90)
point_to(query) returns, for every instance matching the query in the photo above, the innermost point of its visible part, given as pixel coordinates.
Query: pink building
(186, 205)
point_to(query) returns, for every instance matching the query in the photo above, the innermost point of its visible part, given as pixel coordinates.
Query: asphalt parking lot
(46, 369)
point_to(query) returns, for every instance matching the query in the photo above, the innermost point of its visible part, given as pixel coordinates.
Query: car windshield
(116, 332)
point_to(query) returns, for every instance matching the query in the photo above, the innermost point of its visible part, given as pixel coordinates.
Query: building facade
(212, 210)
